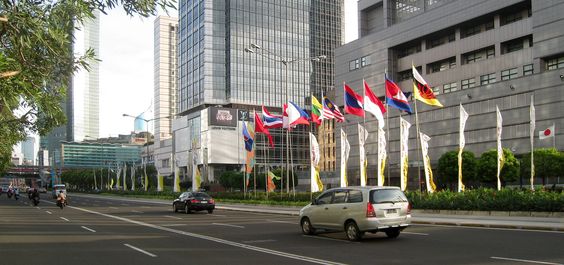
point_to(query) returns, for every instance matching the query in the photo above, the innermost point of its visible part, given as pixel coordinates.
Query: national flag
(549, 132)
(532, 132)
(316, 109)
(345, 150)
(248, 136)
(461, 144)
(316, 184)
(422, 91)
(296, 115)
(160, 181)
(362, 137)
(404, 151)
(395, 97)
(500, 157)
(353, 102)
(196, 176)
(431, 187)
(259, 128)
(331, 111)
(270, 186)
(373, 105)
(271, 121)
(381, 156)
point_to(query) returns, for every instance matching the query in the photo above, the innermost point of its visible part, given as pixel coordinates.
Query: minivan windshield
(387, 196)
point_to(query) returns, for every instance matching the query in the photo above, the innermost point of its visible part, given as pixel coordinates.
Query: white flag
(345, 149)
(404, 150)
(532, 132)
(316, 184)
(362, 136)
(427, 162)
(500, 158)
(381, 156)
(124, 176)
(461, 144)
(133, 177)
(159, 183)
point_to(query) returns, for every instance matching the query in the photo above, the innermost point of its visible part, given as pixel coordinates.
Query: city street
(109, 231)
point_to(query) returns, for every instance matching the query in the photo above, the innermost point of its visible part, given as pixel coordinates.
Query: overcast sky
(126, 69)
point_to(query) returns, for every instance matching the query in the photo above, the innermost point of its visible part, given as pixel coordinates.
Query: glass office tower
(214, 68)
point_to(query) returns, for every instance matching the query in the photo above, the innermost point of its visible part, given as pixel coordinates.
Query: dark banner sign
(223, 117)
(244, 115)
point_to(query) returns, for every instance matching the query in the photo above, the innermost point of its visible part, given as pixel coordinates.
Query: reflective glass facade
(214, 68)
(94, 155)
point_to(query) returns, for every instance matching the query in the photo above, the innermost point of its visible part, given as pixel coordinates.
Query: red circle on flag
(547, 132)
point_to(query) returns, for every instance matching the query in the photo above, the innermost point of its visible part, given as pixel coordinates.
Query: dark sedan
(193, 201)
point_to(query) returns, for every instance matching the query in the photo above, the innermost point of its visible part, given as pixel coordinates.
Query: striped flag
(331, 111)
(271, 121)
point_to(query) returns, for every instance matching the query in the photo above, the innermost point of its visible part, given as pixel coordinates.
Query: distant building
(99, 155)
(28, 151)
(139, 124)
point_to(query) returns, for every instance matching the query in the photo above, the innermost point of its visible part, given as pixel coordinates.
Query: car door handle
(344, 208)
(326, 208)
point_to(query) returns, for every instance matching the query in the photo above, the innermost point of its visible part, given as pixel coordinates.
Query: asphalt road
(107, 231)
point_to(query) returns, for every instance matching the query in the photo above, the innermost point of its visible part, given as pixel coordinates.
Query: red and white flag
(549, 132)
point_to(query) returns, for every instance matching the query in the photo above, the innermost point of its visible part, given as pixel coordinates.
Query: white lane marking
(91, 230)
(492, 228)
(111, 207)
(259, 241)
(65, 219)
(48, 212)
(37, 207)
(219, 215)
(173, 217)
(215, 239)
(282, 222)
(140, 250)
(526, 260)
(331, 239)
(230, 225)
(135, 211)
(146, 207)
(414, 233)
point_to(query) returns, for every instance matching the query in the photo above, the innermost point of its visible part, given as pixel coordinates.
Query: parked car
(356, 210)
(193, 201)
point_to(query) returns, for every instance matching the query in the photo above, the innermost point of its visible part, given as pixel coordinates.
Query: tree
(548, 163)
(487, 167)
(448, 168)
(37, 61)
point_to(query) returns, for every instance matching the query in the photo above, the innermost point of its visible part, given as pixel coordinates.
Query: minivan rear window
(387, 196)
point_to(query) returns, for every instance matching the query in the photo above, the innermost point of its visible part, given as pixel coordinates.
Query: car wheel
(352, 232)
(307, 229)
(210, 211)
(393, 233)
(174, 208)
(187, 209)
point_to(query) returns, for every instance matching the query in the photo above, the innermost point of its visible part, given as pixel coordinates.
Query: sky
(126, 67)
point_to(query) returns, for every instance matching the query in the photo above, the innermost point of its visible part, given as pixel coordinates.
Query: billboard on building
(223, 117)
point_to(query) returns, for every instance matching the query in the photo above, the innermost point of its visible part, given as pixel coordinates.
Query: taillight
(370, 210)
(408, 208)
(211, 201)
(194, 201)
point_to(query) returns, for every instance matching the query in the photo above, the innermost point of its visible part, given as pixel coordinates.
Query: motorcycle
(10, 193)
(35, 200)
(61, 203)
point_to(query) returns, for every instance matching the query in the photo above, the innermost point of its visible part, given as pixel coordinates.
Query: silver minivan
(357, 210)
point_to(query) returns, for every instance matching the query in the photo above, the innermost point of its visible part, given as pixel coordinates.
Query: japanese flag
(549, 132)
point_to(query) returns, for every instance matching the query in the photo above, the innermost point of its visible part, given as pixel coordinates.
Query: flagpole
(418, 145)
(256, 157)
(363, 136)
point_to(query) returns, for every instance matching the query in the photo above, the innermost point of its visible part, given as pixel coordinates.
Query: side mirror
(313, 201)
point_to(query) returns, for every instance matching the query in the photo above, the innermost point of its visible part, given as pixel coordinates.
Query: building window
(468, 83)
(165, 163)
(440, 40)
(478, 55)
(509, 74)
(404, 75)
(364, 61)
(442, 65)
(354, 64)
(406, 51)
(437, 90)
(555, 63)
(474, 29)
(528, 69)
(487, 79)
(510, 18)
(447, 88)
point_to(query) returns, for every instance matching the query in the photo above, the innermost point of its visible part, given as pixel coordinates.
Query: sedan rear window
(200, 195)
(387, 196)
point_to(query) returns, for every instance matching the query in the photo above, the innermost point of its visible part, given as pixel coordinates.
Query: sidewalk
(524, 220)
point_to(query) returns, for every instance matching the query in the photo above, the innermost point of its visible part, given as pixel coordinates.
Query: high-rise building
(28, 151)
(81, 106)
(221, 85)
(166, 83)
(480, 54)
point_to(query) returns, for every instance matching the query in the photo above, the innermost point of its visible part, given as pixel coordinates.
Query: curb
(501, 226)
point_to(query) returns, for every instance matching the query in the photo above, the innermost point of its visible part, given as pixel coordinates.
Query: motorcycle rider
(34, 194)
(61, 198)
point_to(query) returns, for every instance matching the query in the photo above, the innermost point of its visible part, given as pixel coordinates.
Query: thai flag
(271, 121)
(395, 97)
(296, 115)
(353, 102)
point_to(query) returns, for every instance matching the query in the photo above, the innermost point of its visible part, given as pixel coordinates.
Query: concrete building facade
(480, 54)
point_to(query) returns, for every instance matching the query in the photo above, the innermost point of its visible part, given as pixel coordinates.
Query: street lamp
(256, 49)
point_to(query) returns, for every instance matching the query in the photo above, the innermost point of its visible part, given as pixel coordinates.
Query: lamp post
(286, 61)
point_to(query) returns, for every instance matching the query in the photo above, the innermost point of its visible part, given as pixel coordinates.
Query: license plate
(391, 211)
(204, 201)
